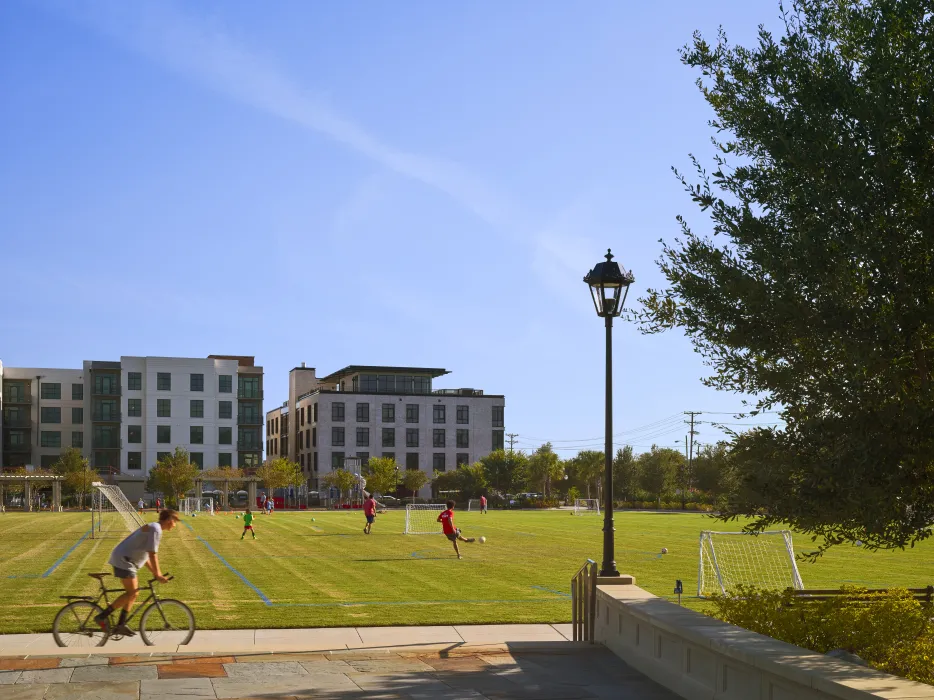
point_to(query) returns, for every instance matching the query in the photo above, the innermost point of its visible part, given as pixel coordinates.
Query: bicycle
(163, 620)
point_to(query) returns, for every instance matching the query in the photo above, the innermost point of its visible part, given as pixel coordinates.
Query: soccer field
(325, 572)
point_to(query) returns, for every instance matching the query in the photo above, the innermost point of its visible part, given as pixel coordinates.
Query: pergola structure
(27, 481)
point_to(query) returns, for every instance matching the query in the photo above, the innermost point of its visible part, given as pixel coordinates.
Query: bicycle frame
(152, 598)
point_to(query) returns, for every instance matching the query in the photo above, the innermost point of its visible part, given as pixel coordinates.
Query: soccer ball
(194, 515)
(482, 539)
(859, 543)
(664, 550)
(238, 517)
(312, 520)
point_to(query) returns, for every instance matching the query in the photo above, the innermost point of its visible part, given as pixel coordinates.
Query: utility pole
(689, 448)
(512, 439)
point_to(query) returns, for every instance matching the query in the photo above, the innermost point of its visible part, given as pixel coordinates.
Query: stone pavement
(489, 661)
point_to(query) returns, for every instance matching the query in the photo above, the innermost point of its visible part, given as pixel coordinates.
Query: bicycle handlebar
(154, 580)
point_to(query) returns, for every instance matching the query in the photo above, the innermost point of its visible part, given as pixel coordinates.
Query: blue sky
(415, 183)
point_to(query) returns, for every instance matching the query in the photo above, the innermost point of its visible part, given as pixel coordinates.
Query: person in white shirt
(139, 549)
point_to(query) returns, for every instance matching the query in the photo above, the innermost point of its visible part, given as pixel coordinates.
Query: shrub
(891, 631)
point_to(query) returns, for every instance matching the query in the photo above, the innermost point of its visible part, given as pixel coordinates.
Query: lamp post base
(620, 580)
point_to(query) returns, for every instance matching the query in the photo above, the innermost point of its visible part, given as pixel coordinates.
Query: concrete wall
(698, 657)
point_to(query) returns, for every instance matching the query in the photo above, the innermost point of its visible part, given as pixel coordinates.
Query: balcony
(249, 420)
(99, 416)
(458, 392)
(17, 399)
(248, 446)
(256, 395)
(106, 444)
(18, 448)
(107, 390)
(19, 422)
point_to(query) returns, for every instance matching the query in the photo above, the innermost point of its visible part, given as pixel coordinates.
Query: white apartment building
(124, 416)
(364, 411)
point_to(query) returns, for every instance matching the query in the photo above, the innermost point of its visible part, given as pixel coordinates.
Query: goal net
(728, 559)
(111, 511)
(422, 519)
(192, 504)
(586, 506)
(473, 504)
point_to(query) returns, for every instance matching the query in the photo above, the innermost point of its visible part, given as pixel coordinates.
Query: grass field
(326, 572)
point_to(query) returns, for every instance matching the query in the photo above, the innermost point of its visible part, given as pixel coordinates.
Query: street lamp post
(609, 286)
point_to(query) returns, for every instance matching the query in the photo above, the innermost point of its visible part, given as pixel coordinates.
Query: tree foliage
(588, 468)
(658, 471)
(77, 472)
(625, 473)
(816, 290)
(470, 481)
(506, 472)
(279, 472)
(382, 475)
(340, 479)
(544, 467)
(413, 480)
(173, 475)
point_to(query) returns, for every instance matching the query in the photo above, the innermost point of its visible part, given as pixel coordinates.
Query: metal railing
(17, 399)
(584, 601)
(249, 420)
(19, 422)
(112, 416)
(110, 390)
(250, 394)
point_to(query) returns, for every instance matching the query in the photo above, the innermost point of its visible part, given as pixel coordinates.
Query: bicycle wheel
(74, 625)
(167, 621)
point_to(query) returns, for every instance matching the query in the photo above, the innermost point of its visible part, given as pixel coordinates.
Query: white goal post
(107, 498)
(422, 518)
(473, 504)
(586, 506)
(765, 560)
(191, 505)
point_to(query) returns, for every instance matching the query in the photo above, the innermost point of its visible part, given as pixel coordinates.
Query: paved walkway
(505, 662)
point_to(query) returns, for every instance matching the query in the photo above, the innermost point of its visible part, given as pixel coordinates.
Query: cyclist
(140, 548)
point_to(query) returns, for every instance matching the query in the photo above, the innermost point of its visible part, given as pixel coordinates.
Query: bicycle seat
(99, 577)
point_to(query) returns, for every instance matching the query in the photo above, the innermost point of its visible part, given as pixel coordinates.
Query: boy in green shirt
(248, 524)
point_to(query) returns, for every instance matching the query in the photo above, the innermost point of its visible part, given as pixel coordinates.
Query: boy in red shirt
(369, 510)
(447, 525)
(482, 505)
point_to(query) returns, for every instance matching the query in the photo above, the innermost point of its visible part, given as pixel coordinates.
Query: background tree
(713, 472)
(278, 473)
(588, 468)
(413, 480)
(342, 480)
(382, 475)
(77, 472)
(506, 472)
(815, 292)
(625, 474)
(544, 466)
(658, 471)
(174, 475)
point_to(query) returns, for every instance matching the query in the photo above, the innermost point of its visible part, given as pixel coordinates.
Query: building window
(437, 437)
(163, 433)
(463, 415)
(134, 460)
(314, 437)
(463, 437)
(411, 437)
(248, 388)
(389, 455)
(196, 433)
(438, 413)
(77, 438)
(77, 392)
(302, 414)
(389, 437)
(196, 408)
(249, 460)
(314, 411)
(284, 444)
(134, 433)
(411, 460)
(337, 411)
(134, 408)
(363, 437)
(197, 458)
(411, 413)
(50, 438)
(368, 382)
(337, 437)
(363, 413)
(499, 441)
(134, 381)
(224, 459)
(389, 413)
(307, 437)
(437, 462)
(498, 416)
(163, 408)
(51, 390)
(301, 460)
(163, 381)
(337, 460)
(225, 409)
(105, 437)
(51, 414)
(315, 461)
(16, 438)
(225, 384)
(301, 439)
(197, 382)
(160, 456)
(106, 384)
(463, 459)
(77, 416)
(248, 439)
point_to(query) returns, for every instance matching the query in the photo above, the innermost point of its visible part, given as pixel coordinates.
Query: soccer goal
(728, 559)
(422, 519)
(190, 505)
(473, 504)
(586, 506)
(111, 512)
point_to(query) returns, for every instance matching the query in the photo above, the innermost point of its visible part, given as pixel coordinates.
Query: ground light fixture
(609, 286)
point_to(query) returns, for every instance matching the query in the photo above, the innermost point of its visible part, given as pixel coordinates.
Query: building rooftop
(433, 372)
